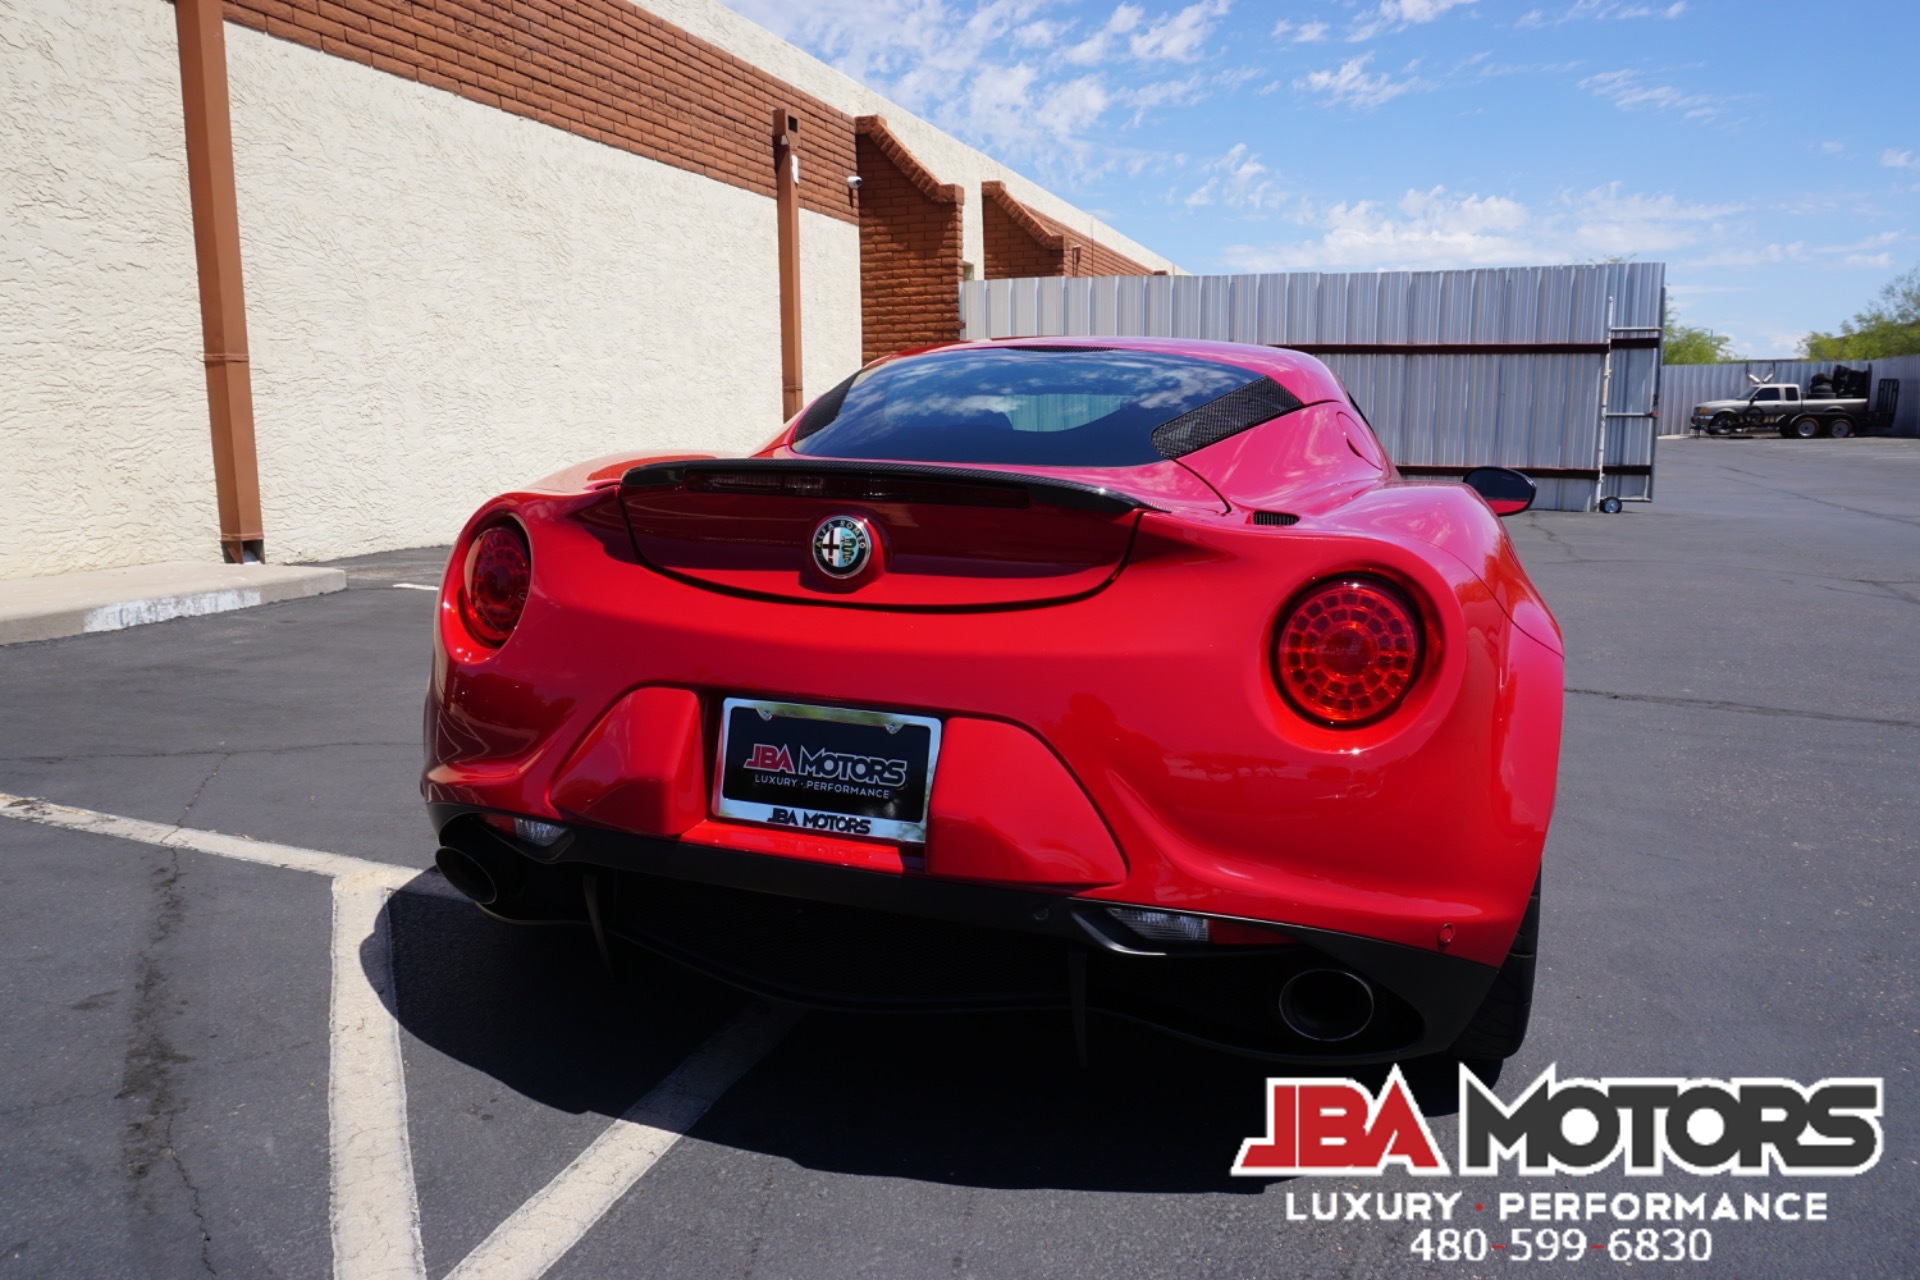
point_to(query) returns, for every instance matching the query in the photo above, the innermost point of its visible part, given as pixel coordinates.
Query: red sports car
(1126, 676)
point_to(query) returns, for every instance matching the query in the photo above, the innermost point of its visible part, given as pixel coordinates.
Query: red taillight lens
(499, 569)
(1348, 652)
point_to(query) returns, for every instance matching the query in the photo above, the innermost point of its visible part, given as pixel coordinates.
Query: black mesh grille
(1259, 401)
(825, 409)
(1275, 517)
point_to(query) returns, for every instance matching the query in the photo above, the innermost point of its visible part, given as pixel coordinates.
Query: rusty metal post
(223, 303)
(786, 201)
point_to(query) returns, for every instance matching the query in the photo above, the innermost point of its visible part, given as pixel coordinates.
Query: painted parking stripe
(545, 1228)
(374, 1208)
(374, 1205)
(292, 857)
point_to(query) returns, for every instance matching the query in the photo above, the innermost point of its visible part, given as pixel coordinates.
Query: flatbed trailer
(1835, 406)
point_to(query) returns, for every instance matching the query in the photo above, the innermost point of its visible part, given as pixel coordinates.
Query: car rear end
(1094, 738)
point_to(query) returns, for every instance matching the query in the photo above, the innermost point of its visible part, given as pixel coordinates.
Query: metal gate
(1554, 371)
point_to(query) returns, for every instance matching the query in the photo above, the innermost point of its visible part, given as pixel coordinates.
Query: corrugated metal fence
(1454, 369)
(1686, 385)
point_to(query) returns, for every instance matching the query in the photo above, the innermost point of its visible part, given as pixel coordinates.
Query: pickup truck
(1836, 406)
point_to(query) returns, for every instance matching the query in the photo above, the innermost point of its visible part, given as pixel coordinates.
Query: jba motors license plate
(833, 770)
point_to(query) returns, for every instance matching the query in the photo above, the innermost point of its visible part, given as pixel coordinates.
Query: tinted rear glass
(1023, 405)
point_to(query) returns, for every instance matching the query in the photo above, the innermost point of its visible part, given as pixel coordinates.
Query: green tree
(1688, 344)
(1889, 326)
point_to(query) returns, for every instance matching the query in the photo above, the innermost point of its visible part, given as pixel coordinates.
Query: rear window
(1038, 406)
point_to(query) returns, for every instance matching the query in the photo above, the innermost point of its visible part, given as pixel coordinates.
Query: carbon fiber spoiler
(889, 482)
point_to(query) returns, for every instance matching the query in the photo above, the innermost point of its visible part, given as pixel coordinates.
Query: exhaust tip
(1327, 1005)
(467, 874)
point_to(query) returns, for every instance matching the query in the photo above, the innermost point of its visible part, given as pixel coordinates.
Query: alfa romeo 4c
(1126, 678)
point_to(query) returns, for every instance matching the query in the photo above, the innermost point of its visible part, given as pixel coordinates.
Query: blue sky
(1768, 153)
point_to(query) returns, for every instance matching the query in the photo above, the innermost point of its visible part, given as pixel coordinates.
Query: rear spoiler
(847, 480)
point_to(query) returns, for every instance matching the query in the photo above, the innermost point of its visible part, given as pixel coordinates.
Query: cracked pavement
(1730, 892)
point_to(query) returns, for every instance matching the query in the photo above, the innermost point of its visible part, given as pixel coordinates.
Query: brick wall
(1022, 242)
(615, 73)
(603, 69)
(1013, 251)
(910, 246)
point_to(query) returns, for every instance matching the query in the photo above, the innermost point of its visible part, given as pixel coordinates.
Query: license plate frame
(837, 776)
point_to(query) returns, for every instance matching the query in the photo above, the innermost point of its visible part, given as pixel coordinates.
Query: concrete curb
(71, 604)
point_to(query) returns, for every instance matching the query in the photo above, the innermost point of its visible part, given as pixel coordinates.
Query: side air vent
(1275, 517)
(1260, 400)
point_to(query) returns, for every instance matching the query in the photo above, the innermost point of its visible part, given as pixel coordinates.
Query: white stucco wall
(445, 300)
(105, 453)
(949, 159)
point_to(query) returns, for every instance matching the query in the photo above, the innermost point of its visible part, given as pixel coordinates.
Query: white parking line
(545, 1228)
(374, 1204)
(292, 857)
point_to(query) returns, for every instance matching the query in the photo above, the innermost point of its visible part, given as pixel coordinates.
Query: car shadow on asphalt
(985, 1100)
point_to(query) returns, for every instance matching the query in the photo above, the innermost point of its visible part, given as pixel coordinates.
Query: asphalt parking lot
(192, 1041)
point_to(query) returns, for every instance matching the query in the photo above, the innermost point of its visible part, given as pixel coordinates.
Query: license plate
(831, 770)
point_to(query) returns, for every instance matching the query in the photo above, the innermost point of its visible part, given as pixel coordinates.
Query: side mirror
(1507, 492)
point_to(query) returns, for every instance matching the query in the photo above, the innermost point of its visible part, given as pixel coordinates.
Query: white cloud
(1626, 90)
(1352, 85)
(1607, 222)
(1437, 228)
(1755, 256)
(1039, 35)
(1832, 148)
(1878, 241)
(1238, 180)
(1398, 15)
(1164, 93)
(1300, 32)
(1899, 159)
(1098, 47)
(1179, 37)
(1022, 79)
(1880, 261)
(1601, 11)
(1074, 106)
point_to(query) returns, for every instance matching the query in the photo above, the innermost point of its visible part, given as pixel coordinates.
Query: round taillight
(498, 572)
(1348, 652)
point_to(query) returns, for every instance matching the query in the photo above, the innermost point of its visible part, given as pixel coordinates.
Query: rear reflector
(1161, 926)
(533, 831)
(536, 832)
(1178, 926)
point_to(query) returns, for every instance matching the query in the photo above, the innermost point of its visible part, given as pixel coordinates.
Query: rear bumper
(1148, 710)
(847, 938)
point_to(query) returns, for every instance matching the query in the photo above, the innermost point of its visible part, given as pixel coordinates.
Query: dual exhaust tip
(1326, 1005)
(470, 875)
